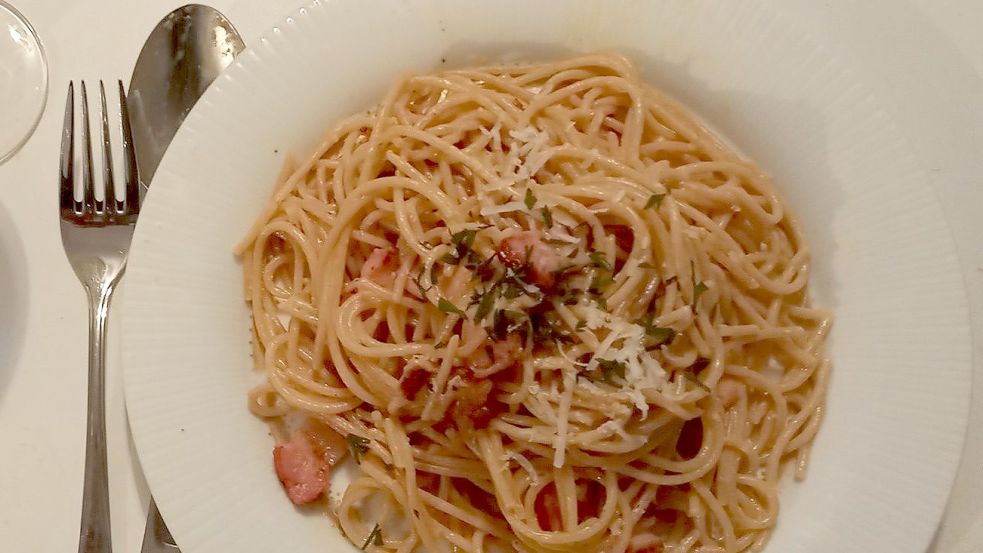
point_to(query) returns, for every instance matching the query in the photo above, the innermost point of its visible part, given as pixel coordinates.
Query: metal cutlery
(185, 52)
(96, 233)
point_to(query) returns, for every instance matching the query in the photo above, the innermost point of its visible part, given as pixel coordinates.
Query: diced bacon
(543, 260)
(669, 503)
(413, 381)
(471, 397)
(624, 238)
(547, 506)
(590, 498)
(303, 462)
(495, 356)
(473, 407)
(427, 481)
(655, 547)
(327, 443)
(303, 473)
(478, 497)
(381, 266)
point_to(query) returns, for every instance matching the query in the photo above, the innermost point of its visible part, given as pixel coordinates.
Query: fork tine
(88, 186)
(129, 157)
(67, 190)
(109, 196)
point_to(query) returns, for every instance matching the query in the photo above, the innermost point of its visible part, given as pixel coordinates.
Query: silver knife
(184, 53)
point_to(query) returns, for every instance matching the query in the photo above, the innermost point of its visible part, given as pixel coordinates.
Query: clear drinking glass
(23, 80)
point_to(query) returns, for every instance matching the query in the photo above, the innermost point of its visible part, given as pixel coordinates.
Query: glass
(23, 80)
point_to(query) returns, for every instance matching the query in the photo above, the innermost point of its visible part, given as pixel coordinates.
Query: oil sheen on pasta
(546, 309)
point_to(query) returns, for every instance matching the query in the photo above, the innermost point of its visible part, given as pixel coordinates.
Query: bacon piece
(303, 473)
(495, 355)
(327, 443)
(413, 381)
(381, 266)
(547, 506)
(543, 261)
(471, 398)
(302, 463)
(624, 237)
(428, 482)
(591, 496)
(474, 408)
(478, 497)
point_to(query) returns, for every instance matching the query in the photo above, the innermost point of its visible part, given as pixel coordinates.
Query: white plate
(886, 455)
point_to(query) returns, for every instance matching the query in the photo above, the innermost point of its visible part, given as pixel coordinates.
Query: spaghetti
(545, 310)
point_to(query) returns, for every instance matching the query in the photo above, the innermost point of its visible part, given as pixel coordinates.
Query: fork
(96, 235)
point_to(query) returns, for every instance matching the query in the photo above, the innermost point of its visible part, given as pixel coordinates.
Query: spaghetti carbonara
(544, 310)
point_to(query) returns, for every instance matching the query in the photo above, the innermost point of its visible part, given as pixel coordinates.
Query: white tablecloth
(928, 60)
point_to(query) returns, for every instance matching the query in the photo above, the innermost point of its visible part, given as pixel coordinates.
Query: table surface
(43, 329)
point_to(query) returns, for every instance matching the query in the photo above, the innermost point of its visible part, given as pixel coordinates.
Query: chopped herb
(441, 344)
(601, 300)
(581, 325)
(463, 238)
(374, 537)
(449, 258)
(447, 307)
(692, 373)
(434, 272)
(510, 290)
(484, 270)
(569, 295)
(659, 335)
(485, 304)
(357, 445)
(418, 279)
(611, 369)
(597, 259)
(600, 281)
(697, 292)
(529, 200)
(506, 321)
(547, 216)
(696, 380)
(462, 242)
(660, 290)
(555, 241)
(646, 265)
(562, 271)
(654, 201)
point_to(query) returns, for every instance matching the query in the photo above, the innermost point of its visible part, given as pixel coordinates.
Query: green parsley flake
(654, 201)
(447, 307)
(611, 369)
(485, 304)
(597, 259)
(697, 292)
(374, 537)
(357, 445)
(529, 200)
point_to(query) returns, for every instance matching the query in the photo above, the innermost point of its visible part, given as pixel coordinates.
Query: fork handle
(95, 535)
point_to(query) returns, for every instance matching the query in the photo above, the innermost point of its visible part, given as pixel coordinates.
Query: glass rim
(23, 20)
